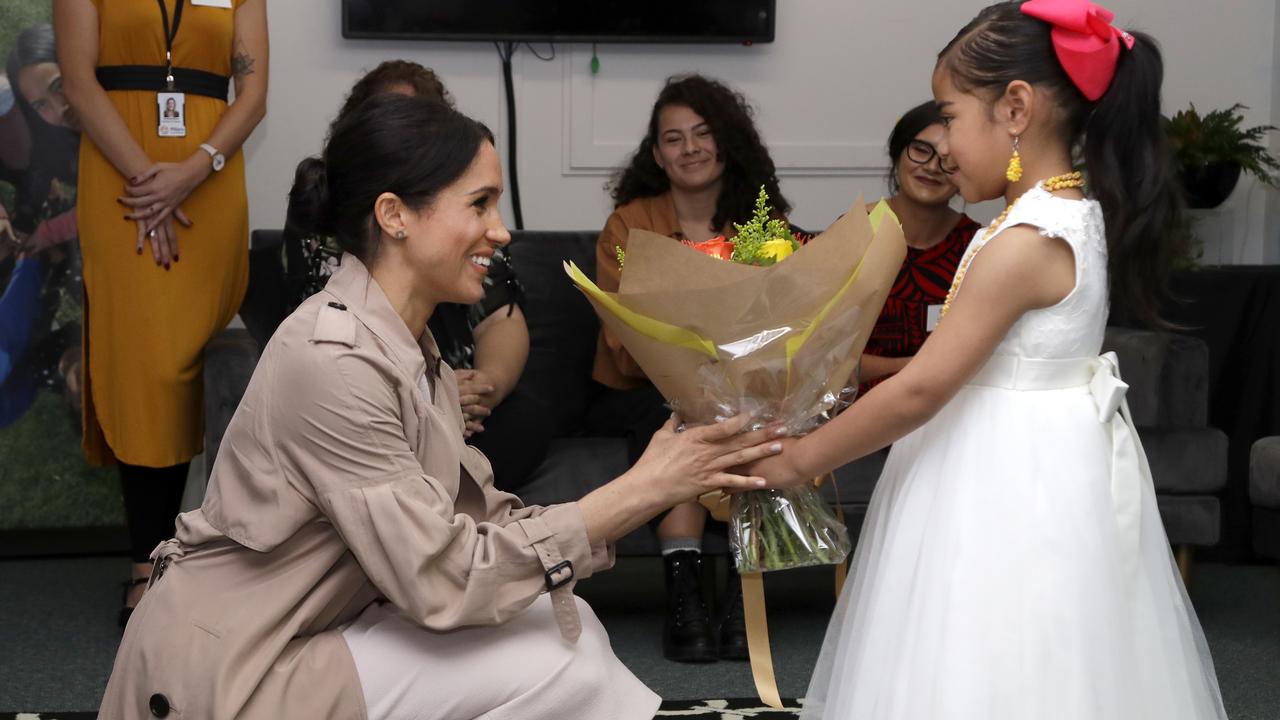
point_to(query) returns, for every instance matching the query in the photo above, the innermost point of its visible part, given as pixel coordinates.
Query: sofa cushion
(1168, 376)
(229, 361)
(1186, 461)
(574, 467)
(562, 325)
(1264, 473)
(1193, 520)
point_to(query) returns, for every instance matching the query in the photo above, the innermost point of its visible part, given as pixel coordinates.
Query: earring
(1014, 173)
(399, 234)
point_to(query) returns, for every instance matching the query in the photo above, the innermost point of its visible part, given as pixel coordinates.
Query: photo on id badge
(172, 108)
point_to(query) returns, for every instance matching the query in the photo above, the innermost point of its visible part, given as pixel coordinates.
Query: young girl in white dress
(1013, 565)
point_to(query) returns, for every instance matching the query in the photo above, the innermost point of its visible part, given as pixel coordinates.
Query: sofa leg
(1183, 554)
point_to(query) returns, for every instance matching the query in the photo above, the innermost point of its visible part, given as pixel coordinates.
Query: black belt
(153, 78)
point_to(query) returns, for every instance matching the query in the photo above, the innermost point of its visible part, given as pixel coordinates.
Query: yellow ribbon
(753, 606)
(647, 326)
(795, 342)
(842, 569)
(758, 640)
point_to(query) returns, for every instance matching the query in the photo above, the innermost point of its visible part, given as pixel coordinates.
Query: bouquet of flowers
(724, 327)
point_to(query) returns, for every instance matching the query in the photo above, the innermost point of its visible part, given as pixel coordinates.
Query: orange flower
(716, 247)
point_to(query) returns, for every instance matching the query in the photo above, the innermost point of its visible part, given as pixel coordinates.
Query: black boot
(686, 635)
(733, 623)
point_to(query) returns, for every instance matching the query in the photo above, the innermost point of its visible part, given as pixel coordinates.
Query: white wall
(827, 93)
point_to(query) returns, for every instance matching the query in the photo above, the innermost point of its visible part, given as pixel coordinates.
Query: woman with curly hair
(697, 171)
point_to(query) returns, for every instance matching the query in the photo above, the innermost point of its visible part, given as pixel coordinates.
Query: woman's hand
(779, 470)
(163, 238)
(687, 464)
(476, 396)
(676, 468)
(158, 191)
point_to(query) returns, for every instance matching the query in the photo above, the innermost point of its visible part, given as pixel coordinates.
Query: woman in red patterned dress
(937, 237)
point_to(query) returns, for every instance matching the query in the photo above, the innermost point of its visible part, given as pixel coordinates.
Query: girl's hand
(687, 464)
(779, 471)
(159, 190)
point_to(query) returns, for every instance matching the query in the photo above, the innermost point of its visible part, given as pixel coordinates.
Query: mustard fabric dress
(145, 327)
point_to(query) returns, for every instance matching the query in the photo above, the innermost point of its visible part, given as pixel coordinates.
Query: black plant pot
(1208, 186)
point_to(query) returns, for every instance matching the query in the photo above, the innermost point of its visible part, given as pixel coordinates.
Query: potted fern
(1212, 150)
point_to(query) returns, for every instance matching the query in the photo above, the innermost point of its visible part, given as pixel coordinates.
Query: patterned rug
(732, 709)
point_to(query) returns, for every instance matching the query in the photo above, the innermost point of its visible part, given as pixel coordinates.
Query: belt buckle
(549, 575)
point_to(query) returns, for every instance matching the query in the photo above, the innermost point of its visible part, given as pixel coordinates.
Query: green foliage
(751, 246)
(44, 480)
(16, 16)
(1218, 137)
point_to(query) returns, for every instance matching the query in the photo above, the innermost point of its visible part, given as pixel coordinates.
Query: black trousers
(152, 498)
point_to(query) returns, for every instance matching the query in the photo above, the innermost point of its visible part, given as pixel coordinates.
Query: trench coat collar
(360, 294)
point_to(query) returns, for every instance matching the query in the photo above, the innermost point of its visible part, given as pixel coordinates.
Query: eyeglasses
(923, 153)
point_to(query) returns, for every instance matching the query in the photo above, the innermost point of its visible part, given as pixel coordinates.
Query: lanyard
(169, 34)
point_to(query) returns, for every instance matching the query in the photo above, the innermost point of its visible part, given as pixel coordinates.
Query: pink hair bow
(1085, 41)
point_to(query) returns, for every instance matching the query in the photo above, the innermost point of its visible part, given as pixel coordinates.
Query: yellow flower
(776, 250)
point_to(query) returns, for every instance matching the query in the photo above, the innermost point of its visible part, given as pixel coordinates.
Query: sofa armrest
(229, 360)
(1264, 473)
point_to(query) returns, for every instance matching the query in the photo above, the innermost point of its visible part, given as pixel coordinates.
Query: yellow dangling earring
(1014, 173)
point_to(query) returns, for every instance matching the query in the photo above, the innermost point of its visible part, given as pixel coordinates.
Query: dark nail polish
(166, 267)
(139, 251)
(175, 258)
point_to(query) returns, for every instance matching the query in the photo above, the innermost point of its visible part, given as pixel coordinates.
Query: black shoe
(733, 622)
(686, 635)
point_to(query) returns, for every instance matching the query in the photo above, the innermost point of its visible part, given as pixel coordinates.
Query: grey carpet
(57, 631)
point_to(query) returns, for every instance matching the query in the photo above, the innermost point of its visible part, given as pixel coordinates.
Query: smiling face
(449, 243)
(41, 87)
(975, 145)
(920, 175)
(686, 150)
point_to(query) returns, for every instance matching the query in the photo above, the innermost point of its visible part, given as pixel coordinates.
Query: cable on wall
(505, 52)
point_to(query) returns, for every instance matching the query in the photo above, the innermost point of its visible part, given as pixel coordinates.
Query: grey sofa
(1167, 374)
(1169, 398)
(1264, 493)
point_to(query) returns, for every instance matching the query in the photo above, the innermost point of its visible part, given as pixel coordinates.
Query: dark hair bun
(310, 213)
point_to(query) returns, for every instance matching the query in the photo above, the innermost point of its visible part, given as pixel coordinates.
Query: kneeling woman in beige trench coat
(352, 558)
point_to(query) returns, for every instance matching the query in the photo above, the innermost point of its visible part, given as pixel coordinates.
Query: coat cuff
(559, 537)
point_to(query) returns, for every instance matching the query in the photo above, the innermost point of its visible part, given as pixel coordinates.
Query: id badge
(173, 114)
(931, 320)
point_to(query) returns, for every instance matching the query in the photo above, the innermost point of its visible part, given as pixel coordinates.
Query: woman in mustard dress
(164, 226)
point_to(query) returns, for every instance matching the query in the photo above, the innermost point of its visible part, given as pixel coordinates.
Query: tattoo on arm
(241, 63)
(241, 66)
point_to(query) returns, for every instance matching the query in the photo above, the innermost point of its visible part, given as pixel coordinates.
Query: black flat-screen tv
(649, 21)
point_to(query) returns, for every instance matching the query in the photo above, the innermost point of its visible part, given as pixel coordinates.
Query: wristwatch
(218, 159)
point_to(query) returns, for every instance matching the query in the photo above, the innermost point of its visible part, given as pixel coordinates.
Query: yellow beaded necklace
(1057, 182)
